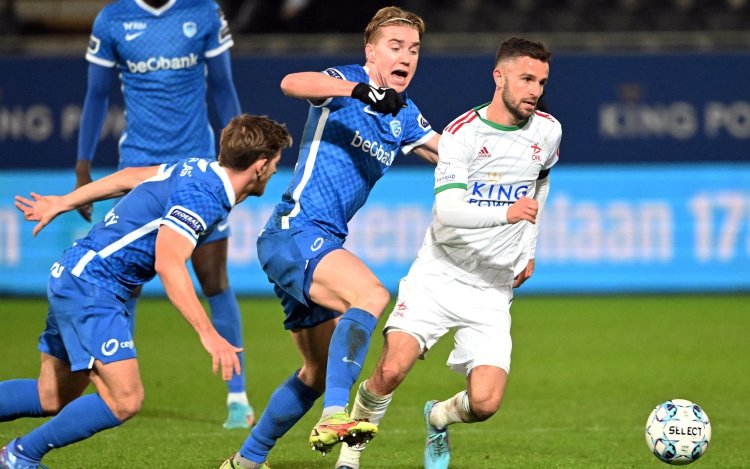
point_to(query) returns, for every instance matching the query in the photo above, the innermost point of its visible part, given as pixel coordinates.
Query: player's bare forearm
(172, 253)
(429, 151)
(315, 85)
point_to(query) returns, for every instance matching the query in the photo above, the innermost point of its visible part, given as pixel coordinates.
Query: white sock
(330, 410)
(245, 463)
(367, 405)
(238, 397)
(454, 410)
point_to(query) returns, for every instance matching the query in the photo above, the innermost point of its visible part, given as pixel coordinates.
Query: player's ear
(497, 75)
(370, 52)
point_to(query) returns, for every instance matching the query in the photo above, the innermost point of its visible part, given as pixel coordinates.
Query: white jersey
(496, 165)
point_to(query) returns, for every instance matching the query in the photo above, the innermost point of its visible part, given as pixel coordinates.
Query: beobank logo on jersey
(495, 195)
(373, 148)
(154, 64)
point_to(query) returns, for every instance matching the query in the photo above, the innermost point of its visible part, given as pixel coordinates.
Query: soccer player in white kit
(491, 183)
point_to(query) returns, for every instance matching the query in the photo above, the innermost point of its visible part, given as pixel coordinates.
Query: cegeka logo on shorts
(111, 346)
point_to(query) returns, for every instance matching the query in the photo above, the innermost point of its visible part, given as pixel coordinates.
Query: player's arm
(172, 253)
(532, 230)
(316, 86)
(452, 210)
(44, 208)
(429, 151)
(92, 120)
(221, 85)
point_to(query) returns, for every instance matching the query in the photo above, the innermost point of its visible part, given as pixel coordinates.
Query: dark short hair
(247, 139)
(515, 47)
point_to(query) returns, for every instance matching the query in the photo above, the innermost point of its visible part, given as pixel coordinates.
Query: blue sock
(19, 398)
(130, 306)
(346, 355)
(287, 405)
(76, 421)
(225, 315)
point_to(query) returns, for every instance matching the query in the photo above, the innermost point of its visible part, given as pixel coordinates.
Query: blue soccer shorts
(84, 323)
(289, 258)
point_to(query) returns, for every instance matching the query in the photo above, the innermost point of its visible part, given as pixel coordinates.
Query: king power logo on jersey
(494, 195)
(373, 148)
(154, 64)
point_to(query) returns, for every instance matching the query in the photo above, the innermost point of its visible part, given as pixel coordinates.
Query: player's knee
(212, 283)
(484, 407)
(127, 405)
(377, 299)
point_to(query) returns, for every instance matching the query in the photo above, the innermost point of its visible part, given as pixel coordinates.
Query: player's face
(392, 58)
(522, 83)
(264, 175)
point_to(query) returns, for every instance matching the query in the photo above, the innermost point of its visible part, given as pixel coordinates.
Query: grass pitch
(586, 373)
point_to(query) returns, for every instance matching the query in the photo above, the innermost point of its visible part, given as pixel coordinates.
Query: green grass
(586, 373)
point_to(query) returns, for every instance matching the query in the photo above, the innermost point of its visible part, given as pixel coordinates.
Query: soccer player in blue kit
(360, 118)
(153, 230)
(168, 53)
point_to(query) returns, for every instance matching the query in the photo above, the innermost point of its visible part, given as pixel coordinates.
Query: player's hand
(382, 100)
(83, 177)
(43, 209)
(524, 275)
(223, 354)
(524, 208)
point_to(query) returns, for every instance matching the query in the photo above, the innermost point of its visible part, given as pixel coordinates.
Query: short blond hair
(247, 139)
(390, 16)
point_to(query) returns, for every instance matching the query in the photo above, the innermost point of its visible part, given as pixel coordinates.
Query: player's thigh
(58, 385)
(486, 385)
(342, 281)
(482, 329)
(313, 344)
(119, 384)
(210, 266)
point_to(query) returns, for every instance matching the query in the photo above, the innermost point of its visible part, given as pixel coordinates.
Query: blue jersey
(346, 148)
(161, 56)
(192, 197)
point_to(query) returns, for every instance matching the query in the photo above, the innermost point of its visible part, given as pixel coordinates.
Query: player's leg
(400, 352)
(210, 265)
(482, 349)
(119, 397)
(342, 282)
(291, 400)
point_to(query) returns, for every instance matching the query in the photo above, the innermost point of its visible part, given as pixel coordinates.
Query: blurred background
(651, 194)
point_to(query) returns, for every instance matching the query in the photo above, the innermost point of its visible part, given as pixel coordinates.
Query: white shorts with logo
(429, 305)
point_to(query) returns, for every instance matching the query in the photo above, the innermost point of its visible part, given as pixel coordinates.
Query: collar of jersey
(222, 173)
(155, 11)
(495, 125)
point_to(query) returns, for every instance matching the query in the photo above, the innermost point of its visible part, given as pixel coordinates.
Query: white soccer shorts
(428, 306)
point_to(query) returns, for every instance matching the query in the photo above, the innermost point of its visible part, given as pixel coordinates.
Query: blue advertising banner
(614, 108)
(605, 229)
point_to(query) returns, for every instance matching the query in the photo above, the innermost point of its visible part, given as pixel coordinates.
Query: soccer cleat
(349, 457)
(340, 427)
(437, 451)
(8, 460)
(230, 464)
(240, 416)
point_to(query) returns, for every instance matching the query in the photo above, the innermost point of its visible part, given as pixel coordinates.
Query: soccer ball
(678, 431)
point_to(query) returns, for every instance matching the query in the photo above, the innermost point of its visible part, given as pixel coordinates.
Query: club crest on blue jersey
(395, 128)
(189, 28)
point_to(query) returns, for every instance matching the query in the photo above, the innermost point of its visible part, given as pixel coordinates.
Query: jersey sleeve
(417, 130)
(193, 210)
(219, 36)
(451, 171)
(554, 146)
(101, 50)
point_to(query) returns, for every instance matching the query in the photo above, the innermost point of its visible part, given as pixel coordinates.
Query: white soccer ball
(678, 431)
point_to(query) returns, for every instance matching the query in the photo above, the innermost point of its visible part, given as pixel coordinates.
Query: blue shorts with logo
(84, 323)
(289, 258)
